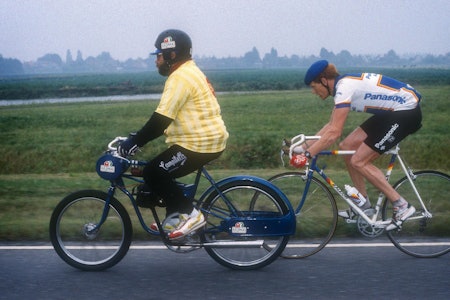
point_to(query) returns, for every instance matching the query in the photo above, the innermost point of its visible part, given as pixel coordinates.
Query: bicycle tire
(317, 219)
(241, 194)
(421, 236)
(84, 250)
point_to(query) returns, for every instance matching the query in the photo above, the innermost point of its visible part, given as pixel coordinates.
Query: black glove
(127, 148)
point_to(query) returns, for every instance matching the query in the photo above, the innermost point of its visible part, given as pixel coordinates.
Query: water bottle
(356, 196)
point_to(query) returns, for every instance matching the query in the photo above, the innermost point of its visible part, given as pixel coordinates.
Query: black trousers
(175, 162)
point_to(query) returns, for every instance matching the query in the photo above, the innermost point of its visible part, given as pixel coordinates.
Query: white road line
(162, 247)
(15, 247)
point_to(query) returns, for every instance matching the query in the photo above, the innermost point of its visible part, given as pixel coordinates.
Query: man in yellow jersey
(189, 115)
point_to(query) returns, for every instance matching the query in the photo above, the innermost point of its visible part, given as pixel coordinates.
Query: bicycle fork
(91, 230)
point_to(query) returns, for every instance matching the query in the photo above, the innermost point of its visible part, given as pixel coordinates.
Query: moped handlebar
(117, 139)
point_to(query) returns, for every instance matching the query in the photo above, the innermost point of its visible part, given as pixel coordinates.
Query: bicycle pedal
(178, 242)
(191, 237)
(397, 224)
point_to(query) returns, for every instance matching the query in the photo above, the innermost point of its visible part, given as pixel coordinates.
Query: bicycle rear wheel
(75, 237)
(422, 236)
(228, 215)
(317, 218)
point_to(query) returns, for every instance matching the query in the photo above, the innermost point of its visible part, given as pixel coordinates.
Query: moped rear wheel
(229, 214)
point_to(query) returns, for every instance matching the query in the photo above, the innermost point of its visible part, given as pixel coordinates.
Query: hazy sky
(30, 29)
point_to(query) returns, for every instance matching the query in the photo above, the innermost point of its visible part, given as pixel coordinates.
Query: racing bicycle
(425, 234)
(248, 219)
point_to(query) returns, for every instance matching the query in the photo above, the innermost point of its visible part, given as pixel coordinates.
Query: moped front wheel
(79, 238)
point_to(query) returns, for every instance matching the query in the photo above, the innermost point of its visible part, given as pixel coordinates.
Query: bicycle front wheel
(80, 241)
(422, 235)
(316, 219)
(228, 211)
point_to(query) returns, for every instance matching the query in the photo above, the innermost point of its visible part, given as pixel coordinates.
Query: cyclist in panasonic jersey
(189, 115)
(396, 113)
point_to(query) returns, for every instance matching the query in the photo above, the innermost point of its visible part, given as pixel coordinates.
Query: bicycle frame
(284, 224)
(247, 220)
(279, 226)
(313, 167)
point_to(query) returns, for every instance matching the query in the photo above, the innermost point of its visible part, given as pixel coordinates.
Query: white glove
(299, 149)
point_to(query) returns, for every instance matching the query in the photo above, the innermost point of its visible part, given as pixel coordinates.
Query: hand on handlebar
(298, 160)
(127, 148)
(286, 145)
(295, 149)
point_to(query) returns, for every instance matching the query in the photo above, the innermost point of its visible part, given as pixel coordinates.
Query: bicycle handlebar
(115, 140)
(298, 140)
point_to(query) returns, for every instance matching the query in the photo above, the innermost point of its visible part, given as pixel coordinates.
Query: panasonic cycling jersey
(374, 93)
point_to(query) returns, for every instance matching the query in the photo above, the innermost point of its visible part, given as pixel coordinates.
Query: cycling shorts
(385, 130)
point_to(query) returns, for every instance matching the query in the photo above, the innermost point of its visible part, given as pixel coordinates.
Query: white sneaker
(400, 216)
(170, 225)
(188, 223)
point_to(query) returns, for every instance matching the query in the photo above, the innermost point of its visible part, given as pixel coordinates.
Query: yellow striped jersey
(188, 98)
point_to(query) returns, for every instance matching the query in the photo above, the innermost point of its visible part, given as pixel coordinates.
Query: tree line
(105, 63)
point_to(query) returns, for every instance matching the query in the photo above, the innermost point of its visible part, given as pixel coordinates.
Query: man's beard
(164, 69)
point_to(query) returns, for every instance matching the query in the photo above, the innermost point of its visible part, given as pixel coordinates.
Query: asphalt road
(333, 273)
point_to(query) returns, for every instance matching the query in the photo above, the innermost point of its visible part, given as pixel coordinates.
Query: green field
(83, 85)
(50, 150)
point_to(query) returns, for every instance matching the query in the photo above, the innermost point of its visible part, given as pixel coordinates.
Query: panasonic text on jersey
(394, 98)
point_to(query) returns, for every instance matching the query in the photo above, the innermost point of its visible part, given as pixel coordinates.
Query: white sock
(194, 213)
(400, 203)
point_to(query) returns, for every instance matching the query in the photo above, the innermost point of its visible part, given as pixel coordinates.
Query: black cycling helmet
(173, 40)
(315, 70)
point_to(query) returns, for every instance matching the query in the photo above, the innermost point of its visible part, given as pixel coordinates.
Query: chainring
(366, 229)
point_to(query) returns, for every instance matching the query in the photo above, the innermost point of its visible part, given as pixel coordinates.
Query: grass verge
(27, 201)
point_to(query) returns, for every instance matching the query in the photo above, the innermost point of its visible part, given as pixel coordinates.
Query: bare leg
(362, 160)
(360, 166)
(352, 142)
